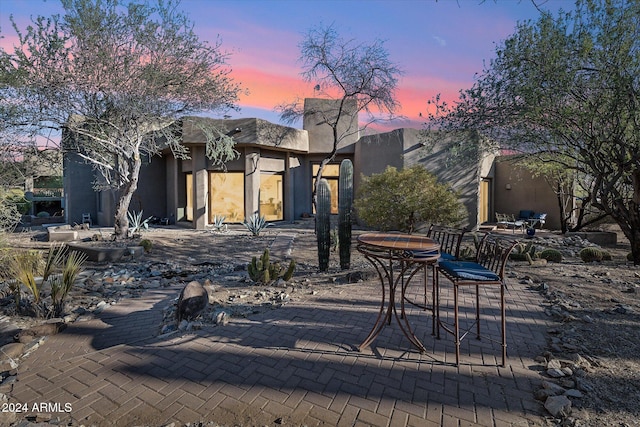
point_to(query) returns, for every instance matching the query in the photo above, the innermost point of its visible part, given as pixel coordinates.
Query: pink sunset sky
(440, 45)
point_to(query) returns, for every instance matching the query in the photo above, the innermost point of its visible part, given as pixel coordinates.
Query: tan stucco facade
(517, 189)
(273, 171)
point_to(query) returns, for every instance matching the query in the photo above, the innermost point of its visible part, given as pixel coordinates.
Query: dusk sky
(439, 44)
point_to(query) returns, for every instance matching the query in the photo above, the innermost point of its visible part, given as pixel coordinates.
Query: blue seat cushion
(447, 257)
(423, 254)
(526, 214)
(468, 270)
(443, 256)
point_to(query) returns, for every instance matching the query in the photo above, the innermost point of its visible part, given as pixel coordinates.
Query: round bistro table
(394, 256)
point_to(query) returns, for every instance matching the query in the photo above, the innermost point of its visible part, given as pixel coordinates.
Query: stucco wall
(253, 132)
(78, 189)
(321, 134)
(407, 147)
(151, 193)
(516, 189)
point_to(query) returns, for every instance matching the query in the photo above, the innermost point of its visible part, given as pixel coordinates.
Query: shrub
(16, 198)
(552, 255)
(403, 200)
(9, 216)
(24, 267)
(5, 256)
(43, 214)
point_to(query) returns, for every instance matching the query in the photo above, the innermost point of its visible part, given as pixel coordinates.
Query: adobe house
(274, 172)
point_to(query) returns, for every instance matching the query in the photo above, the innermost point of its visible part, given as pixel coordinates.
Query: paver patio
(295, 365)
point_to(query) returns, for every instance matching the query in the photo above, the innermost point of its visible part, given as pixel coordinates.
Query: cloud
(440, 41)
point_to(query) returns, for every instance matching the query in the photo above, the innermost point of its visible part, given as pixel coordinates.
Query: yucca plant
(62, 283)
(24, 268)
(255, 223)
(54, 260)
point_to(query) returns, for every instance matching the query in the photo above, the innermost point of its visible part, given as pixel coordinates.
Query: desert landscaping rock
(558, 406)
(193, 299)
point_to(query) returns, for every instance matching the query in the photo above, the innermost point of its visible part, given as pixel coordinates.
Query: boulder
(558, 406)
(193, 299)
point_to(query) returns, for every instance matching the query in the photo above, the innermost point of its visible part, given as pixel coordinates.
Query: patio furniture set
(526, 220)
(399, 257)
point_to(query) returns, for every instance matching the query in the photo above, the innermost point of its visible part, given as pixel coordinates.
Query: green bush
(9, 216)
(16, 198)
(403, 200)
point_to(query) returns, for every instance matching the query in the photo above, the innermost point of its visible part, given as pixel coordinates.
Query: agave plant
(218, 223)
(256, 223)
(136, 223)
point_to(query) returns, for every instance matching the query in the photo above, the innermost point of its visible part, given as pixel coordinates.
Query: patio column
(251, 181)
(200, 186)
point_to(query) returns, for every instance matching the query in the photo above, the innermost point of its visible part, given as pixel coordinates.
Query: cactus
(521, 250)
(468, 252)
(323, 224)
(552, 255)
(264, 271)
(345, 201)
(334, 240)
(146, 245)
(535, 262)
(590, 254)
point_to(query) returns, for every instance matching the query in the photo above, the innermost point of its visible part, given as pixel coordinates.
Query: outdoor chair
(487, 270)
(86, 219)
(449, 239)
(537, 220)
(509, 221)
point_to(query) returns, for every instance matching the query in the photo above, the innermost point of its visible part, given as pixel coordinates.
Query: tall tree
(117, 77)
(568, 85)
(360, 79)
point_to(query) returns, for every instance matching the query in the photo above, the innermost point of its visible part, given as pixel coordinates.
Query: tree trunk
(564, 218)
(634, 231)
(323, 163)
(121, 222)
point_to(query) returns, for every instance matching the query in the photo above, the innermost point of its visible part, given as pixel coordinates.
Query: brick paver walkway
(295, 365)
